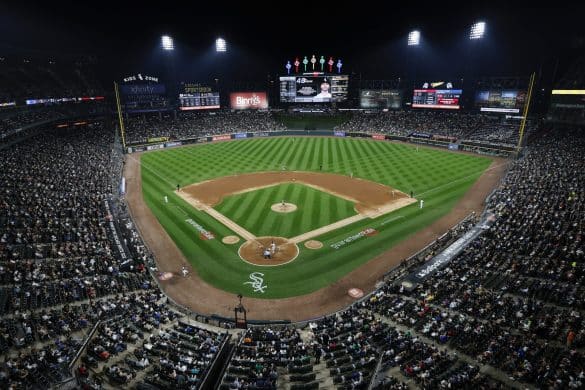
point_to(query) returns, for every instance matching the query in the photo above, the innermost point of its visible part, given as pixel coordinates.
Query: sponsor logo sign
(248, 100)
(203, 233)
(380, 137)
(364, 233)
(224, 137)
(155, 147)
(241, 135)
(339, 133)
(157, 139)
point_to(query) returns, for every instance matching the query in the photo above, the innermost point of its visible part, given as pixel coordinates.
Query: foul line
(216, 215)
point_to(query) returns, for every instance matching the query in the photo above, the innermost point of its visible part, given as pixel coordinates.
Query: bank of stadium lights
(477, 30)
(220, 45)
(414, 38)
(167, 43)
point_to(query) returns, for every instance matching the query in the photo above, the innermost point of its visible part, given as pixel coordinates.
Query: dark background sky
(370, 38)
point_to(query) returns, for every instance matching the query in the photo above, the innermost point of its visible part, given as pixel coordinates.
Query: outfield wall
(478, 148)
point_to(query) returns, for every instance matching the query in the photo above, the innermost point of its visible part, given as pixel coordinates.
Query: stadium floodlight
(220, 45)
(167, 43)
(414, 38)
(477, 30)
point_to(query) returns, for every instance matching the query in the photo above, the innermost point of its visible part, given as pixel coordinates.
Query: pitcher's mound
(313, 244)
(283, 208)
(253, 251)
(230, 240)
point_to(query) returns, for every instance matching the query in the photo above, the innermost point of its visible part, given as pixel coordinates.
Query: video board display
(505, 101)
(193, 96)
(437, 98)
(144, 97)
(380, 98)
(313, 88)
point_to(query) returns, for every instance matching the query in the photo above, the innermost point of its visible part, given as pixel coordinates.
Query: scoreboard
(197, 97)
(316, 87)
(437, 98)
(380, 98)
(504, 101)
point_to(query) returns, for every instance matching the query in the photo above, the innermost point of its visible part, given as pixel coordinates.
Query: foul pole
(120, 118)
(525, 113)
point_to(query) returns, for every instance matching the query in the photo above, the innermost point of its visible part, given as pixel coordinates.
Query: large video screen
(380, 98)
(144, 97)
(437, 98)
(506, 101)
(193, 96)
(313, 88)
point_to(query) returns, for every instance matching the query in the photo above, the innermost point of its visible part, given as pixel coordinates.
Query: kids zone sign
(248, 100)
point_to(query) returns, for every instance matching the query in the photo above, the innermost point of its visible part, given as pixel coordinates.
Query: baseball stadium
(379, 207)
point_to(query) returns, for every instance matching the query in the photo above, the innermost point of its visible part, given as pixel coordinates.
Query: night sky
(370, 39)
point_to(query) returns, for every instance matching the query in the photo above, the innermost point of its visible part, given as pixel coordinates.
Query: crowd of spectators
(40, 78)
(442, 125)
(62, 273)
(512, 301)
(514, 298)
(195, 124)
(507, 311)
(259, 355)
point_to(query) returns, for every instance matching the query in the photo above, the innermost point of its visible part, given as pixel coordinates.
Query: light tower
(414, 38)
(220, 45)
(477, 30)
(167, 43)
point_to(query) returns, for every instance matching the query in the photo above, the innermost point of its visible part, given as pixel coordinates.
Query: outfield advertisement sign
(155, 147)
(248, 100)
(241, 135)
(420, 135)
(261, 134)
(339, 133)
(379, 137)
(152, 140)
(174, 143)
(224, 137)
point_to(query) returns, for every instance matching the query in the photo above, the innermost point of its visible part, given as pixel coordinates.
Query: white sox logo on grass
(257, 282)
(203, 233)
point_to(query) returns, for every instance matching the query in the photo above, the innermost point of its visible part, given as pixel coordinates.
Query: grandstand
(485, 289)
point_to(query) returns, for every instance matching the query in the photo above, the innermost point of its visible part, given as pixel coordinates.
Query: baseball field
(350, 198)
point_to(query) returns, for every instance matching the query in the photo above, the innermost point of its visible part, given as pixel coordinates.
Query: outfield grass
(439, 177)
(251, 210)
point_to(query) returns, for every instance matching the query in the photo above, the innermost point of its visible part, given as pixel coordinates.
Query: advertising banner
(380, 137)
(224, 137)
(248, 100)
(157, 139)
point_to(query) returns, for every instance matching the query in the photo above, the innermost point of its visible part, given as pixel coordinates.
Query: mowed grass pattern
(252, 211)
(439, 177)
